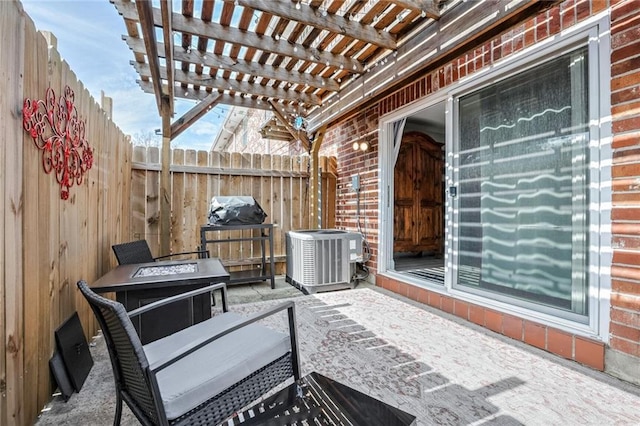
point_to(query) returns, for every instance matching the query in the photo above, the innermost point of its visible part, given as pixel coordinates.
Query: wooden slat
(277, 206)
(49, 243)
(177, 205)
(138, 198)
(152, 198)
(47, 270)
(203, 194)
(229, 34)
(223, 171)
(146, 19)
(333, 23)
(191, 229)
(265, 196)
(463, 27)
(32, 279)
(12, 301)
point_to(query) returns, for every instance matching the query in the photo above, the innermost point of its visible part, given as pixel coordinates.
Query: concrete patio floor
(438, 367)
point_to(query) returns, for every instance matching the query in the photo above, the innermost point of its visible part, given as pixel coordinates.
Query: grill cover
(235, 210)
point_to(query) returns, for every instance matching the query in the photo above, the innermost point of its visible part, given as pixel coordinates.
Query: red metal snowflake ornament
(57, 130)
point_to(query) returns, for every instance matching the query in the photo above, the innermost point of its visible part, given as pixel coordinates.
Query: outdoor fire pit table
(138, 284)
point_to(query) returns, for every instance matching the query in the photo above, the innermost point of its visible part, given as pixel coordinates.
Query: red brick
(627, 213)
(435, 300)
(461, 309)
(555, 21)
(476, 314)
(625, 332)
(623, 9)
(626, 156)
(535, 334)
(625, 301)
(624, 184)
(625, 66)
(496, 50)
(583, 9)
(423, 296)
(401, 288)
(624, 81)
(529, 34)
(628, 272)
(629, 287)
(560, 343)
(626, 257)
(623, 38)
(598, 6)
(542, 28)
(625, 110)
(624, 171)
(507, 44)
(568, 14)
(626, 125)
(447, 304)
(412, 292)
(493, 320)
(627, 243)
(462, 68)
(382, 281)
(628, 229)
(625, 95)
(625, 199)
(512, 327)
(623, 25)
(626, 346)
(623, 53)
(590, 352)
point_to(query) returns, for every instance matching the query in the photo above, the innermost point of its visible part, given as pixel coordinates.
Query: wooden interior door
(405, 182)
(418, 195)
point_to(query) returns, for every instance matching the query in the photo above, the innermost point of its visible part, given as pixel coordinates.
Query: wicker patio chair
(200, 375)
(139, 252)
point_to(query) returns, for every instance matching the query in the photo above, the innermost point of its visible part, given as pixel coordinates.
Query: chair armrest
(181, 296)
(197, 344)
(201, 253)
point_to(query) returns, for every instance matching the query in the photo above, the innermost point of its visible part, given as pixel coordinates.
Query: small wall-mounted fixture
(362, 146)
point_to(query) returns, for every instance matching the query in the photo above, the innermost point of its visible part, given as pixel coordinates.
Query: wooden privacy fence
(48, 243)
(280, 184)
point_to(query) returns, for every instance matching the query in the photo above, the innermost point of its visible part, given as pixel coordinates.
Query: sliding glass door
(522, 176)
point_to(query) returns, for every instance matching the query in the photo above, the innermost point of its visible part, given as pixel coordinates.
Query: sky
(89, 34)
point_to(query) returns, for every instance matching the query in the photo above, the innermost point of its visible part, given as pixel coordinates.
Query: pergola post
(165, 181)
(314, 180)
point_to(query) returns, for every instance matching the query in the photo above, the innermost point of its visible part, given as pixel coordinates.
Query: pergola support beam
(314, 180)
(194, 114)
(297, 135)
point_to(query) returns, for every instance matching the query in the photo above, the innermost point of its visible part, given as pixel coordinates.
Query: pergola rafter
(319, 60)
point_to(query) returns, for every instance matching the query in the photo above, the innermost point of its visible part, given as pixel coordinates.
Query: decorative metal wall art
(57, 130)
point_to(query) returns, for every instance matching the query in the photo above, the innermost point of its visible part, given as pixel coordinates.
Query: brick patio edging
(570, 346)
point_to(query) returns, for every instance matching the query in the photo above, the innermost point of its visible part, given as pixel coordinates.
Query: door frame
(597, 30)
(386, 161)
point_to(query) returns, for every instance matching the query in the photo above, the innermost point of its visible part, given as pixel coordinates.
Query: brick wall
(625, 100)
(625, 216)
(249, 140)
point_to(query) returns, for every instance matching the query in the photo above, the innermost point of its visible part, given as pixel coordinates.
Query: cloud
(89, 39)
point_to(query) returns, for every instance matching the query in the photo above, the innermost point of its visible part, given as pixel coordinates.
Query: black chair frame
(139, 252)
(135, 379)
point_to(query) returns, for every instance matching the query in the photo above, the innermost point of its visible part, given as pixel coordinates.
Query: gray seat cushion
(213, 368)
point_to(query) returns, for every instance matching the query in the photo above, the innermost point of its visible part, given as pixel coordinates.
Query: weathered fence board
(278, 183)
(48, 243)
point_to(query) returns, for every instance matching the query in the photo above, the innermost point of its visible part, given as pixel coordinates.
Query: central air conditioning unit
(322, 259)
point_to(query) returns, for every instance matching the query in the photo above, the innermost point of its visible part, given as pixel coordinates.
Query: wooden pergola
(311, 60)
